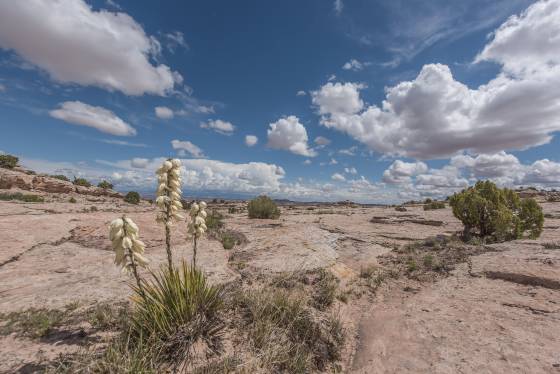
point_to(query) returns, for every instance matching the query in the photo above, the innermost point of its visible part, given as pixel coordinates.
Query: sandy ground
(502, 317)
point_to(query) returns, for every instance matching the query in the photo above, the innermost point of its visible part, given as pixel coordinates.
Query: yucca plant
(169, 199)
(197, 225)
(176, 308)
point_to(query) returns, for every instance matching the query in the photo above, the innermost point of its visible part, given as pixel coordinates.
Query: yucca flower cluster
(169, 191)
(197, 225)
(169, 199)
(129, 249)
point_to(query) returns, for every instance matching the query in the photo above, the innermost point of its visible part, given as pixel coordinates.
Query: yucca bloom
(197, 224)
(169, 191)
(129, 250)
(169, 199)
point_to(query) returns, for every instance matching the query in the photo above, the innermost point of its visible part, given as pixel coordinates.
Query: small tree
(497, 214)
(132, 197)
(105, 185)
(81, 182)
(263, 207)
(8, 161)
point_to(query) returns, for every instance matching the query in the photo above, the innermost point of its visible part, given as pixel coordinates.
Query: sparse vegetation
(263, 207)
(72, 200)
(105, 185)
(433, 205)
(8, 161)
(496, 214)
(132, 197)
(551, 245)
(178, 310)
(60, 177)
(81, 182)
(34, 323)
(27, 198)
(228, 240)
(400, 208)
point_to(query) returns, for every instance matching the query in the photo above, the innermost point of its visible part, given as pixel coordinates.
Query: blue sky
(415, 98)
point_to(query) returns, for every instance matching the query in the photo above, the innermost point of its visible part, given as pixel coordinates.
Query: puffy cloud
(289, 134)
(351, 170)
(333, 161)
(354, 65)
(219, 126)
(251, 140)
(338, 98)
(338, 177)
(301, 93)
(402, 172)
(186, 146)
(139, 163)
(544, 172)
(307, 162)
(528, 42)
(348, 151)
(501, 167)
(164, 112)
(322, 141)
(435, 116)
(2, 87)
(76, 44)
(78, 113)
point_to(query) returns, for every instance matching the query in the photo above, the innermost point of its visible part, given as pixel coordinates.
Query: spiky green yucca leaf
(178, 308)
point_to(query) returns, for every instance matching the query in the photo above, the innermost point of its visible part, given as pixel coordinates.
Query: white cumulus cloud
(76, 44)
(338, 177)
(219, 126)
(163, 112)
(251, 140)
(78, 113)
(289, 134)
(184, 146)
(402, 172)
(435, 116)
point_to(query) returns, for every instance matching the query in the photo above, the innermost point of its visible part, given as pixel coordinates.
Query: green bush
(61, 177)
(8, 161)
(228, 241)
(263, 207)
(132, 197)
(105, 185)
(400, 208)
(22, 197)
(496, 214)
(214, 221)
(176, 309)
(432, 205)
(81, 182)
(72, 200)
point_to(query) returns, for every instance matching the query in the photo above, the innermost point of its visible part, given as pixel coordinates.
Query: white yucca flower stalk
(169, 199)
(197, 224)
(129, 249)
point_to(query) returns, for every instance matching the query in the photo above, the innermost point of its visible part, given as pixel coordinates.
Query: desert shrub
(214, 221)
(176, 309)
(81, 182)
(132, 197)
(28, 198)
(400, 209)
(232, 210)
(60, 177)
(8, 161)
(105, 185)
(551, 245)
(432, 205)
(228, 240)
(35, 323)
(72, 200)
(325, 290)
(496, 214)
(263, 207)
(428, 201)
(287, 335)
